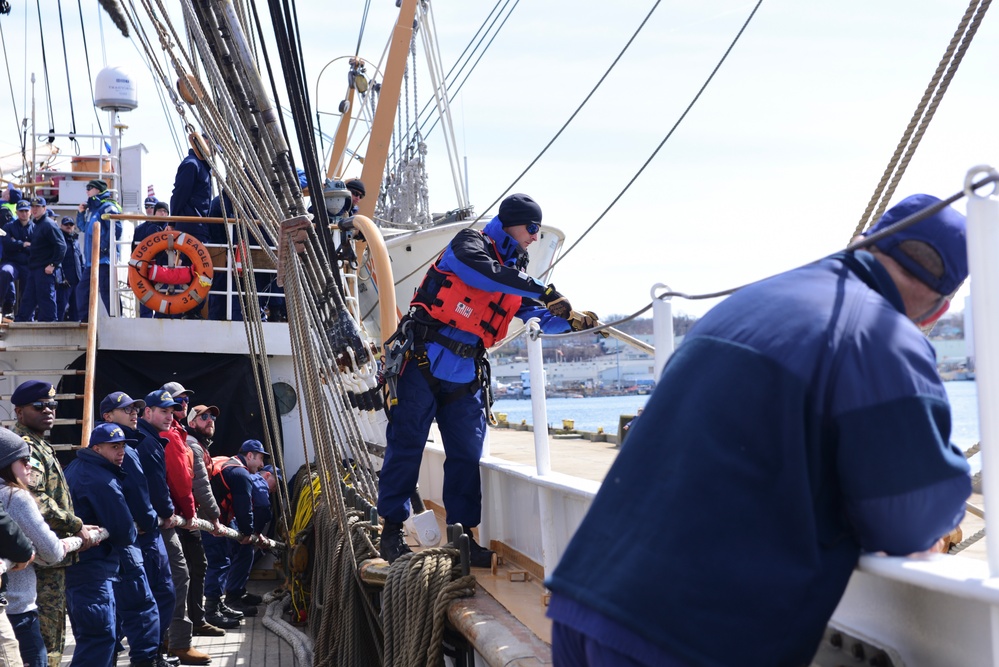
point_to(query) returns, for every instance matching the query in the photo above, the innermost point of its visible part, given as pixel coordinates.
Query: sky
(772, 167)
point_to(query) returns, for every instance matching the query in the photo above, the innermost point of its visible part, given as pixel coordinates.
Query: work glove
(556, 303)
(586, 320)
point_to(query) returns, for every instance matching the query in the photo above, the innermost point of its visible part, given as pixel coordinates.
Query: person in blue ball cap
(15, 256)
(94, 480)
(232, 484)
(830, 435)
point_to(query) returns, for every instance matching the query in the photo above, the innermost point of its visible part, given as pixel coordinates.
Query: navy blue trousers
(571, 648)
(137, 615)
(29, 639)
(219, 556)
(66, 309)
(156, 563)
(10, 275)
(461, 418)
(90, 603)
(40, 294)
(104, 287)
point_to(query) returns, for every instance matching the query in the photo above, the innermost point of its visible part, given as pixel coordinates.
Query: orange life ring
(170, 302)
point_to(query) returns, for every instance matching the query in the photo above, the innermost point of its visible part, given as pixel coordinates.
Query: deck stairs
(48, 351)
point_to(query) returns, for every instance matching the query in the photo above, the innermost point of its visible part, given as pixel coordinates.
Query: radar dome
(114, 90)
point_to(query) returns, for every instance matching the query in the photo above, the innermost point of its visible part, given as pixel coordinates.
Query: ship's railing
(126, 305)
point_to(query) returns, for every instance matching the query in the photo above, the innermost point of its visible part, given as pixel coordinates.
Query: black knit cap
(519, 209)
(356, 185)
(97, 183)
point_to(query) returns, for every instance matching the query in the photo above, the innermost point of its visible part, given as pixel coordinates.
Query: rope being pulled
(419, 589)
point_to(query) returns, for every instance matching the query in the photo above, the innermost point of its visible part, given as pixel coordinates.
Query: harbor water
(594, 413)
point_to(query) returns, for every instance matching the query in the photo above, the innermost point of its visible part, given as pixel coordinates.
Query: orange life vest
(220, 488)
(447, 299)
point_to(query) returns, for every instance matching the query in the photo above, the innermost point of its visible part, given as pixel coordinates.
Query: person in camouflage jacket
(35, 407)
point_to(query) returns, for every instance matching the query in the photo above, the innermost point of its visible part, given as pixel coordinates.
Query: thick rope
(419, 588)
(925, 110)
(964, 544)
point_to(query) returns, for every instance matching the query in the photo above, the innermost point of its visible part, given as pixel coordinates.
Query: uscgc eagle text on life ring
(170, 289)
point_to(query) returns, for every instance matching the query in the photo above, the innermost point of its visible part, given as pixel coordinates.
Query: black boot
(478, 555)
(216, 615)
(393, 542)
(233, 602)
(252, 598)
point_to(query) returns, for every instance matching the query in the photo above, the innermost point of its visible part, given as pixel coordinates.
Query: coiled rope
(419, 589)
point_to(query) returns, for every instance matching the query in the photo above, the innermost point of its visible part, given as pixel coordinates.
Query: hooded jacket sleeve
(178, 472)
(151, 458)
(208, 509)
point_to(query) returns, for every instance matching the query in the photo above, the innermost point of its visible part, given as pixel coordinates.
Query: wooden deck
(249, 644)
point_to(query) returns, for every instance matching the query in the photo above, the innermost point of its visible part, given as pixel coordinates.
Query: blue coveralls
(219, 551)
(14, 267)
(138, 615)
(457, 401)
(95, 486)
(245, 554)
(48, 247)
(97, 206)
(155, 559)
(72, 269)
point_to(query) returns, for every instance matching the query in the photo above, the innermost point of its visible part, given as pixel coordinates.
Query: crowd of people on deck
(45, 260)
(142, 575)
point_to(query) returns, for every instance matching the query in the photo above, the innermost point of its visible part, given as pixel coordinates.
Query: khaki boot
(191, 656)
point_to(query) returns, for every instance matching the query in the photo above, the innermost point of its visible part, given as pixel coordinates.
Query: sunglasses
(183, 399)
(130, 410)
(208, 417)
(51, 405)
(26, 460)
(533, 228)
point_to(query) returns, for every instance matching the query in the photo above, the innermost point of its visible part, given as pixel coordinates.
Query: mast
(388, 101)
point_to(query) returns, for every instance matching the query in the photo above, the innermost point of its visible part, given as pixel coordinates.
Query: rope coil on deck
(419, 588)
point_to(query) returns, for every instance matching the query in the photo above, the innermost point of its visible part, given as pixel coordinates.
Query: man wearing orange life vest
(465, 303)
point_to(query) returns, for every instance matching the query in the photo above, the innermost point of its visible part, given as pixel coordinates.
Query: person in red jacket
(179, 462)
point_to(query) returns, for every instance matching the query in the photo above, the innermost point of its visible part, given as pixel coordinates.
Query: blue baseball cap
(119, 399)
(39, 201)
(160, 398)
(31, 391)
(253, 446)
(108, 432)
(945, 231)
(24, 205)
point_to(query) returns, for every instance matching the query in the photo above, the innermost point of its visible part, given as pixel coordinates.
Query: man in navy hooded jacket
(94, 480)
(48, 248)
(88, 218)
(465, 303)
(784, 450)
(192, 194)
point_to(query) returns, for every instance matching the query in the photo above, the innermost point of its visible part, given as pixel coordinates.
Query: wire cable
(90, 75)
(45, 73)
(10, 81)
(69, 79)
(661, 143)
